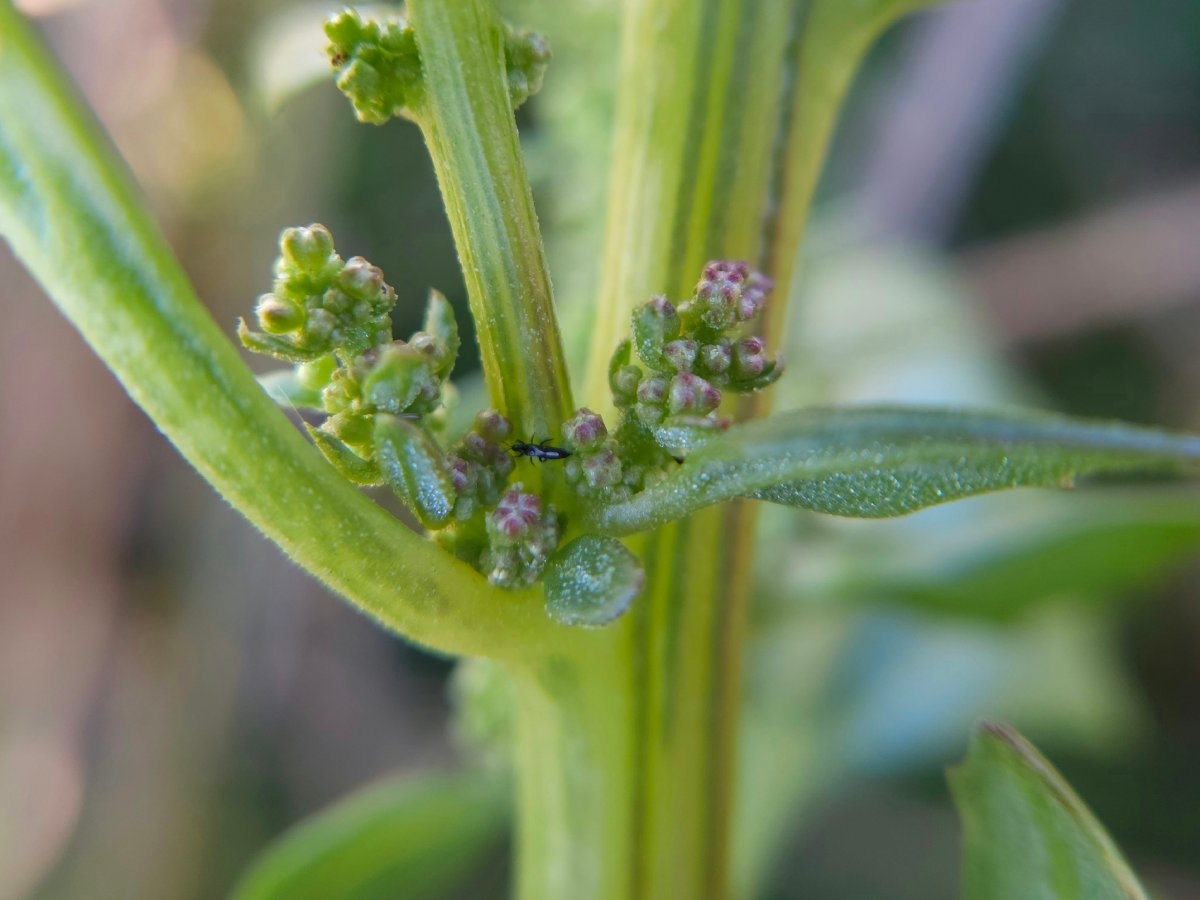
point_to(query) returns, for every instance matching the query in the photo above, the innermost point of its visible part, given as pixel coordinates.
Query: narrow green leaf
(591, 581)
(877, 462)
(411, 838)
(1026, 833)
(412, 464)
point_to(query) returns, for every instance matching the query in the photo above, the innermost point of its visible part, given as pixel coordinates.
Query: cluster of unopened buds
(377, 65)
(522, 535)
(319, 303)
(382, 397)
(480, 464)
(689, 355)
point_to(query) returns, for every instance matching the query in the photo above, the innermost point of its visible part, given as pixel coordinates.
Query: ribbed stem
(467, 119)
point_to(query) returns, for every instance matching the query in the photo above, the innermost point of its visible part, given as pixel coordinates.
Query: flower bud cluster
(377, 65)
(693, 353)
(479, 464)
(521, 537)
(594, 466)
(526, 56)
(332, 319)
(319, 303)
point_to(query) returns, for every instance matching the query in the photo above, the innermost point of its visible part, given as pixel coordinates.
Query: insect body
(540, 452)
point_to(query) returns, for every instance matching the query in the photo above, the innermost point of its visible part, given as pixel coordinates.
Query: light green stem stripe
(467, 119)
(695, 132)
(701, 85)
(74, 218)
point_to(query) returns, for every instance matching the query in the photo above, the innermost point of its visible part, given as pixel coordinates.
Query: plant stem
(699, 97)
(467, 119)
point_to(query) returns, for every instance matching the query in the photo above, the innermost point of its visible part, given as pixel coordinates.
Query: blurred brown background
(173, 693)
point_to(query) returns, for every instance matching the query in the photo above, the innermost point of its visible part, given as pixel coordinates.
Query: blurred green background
(1010, 214)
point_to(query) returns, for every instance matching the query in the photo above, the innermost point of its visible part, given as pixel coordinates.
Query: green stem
(467, 119)
(699, 96)
(74, 218)
(625, 740)
(696, 121)
(574, 757)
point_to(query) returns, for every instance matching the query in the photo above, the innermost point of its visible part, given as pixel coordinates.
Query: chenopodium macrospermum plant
(384, 402)
(673, 449)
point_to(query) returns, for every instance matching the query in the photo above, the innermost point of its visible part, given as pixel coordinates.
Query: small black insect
(540, 452)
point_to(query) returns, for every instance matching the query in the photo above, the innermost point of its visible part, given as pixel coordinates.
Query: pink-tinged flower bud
(723, 270)
(718, 307)
(475, 446)
(463, 475)
(754, 295)
(625, 383)
(602, 469)
(681, 354)
(665, 311)
(653, 391)
(749, 360)
(692, 394)
(516, 513)
(716, 358)
(585, 431)
(492, 426)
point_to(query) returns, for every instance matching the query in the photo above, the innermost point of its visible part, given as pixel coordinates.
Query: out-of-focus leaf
(1026, 833)
(877, 462)
(411, 838)
(1090, 547)
(835, 694)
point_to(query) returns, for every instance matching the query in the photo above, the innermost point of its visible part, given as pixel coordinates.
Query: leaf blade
(878, 462)
(1026, 833)
(405, 837)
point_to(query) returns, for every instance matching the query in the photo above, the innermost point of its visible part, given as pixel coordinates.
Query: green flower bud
(526, 56)
(377, 65)
(278, 316)
(308, 250)
(654, 325)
